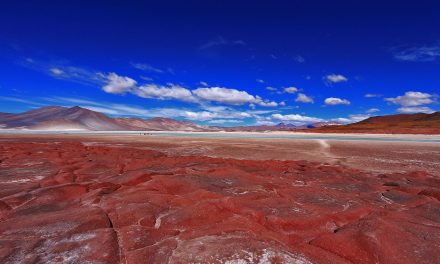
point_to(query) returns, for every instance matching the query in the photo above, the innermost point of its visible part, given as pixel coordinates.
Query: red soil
(70, 203)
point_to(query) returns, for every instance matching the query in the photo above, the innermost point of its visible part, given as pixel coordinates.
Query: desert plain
(135, 198)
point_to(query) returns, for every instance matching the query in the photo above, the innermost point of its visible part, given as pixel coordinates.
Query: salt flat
(376, 153)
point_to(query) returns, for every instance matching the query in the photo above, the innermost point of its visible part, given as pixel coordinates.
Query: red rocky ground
(71, 203)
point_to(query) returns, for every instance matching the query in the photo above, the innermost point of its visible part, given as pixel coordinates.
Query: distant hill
(395, 124)
(78, 118)
(160, 124)
(278, 127)
(60, 118)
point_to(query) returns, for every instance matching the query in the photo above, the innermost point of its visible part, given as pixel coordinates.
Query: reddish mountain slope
(402, 123)
(77, 118)
(56, 117)
(160, 124)
(279, 127)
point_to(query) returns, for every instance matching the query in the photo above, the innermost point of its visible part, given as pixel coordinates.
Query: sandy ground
(373, 156)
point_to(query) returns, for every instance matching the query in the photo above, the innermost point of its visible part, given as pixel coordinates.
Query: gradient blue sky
(222, 62)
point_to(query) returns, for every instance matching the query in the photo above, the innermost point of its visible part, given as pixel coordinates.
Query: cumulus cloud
(291, 90)
(209, 115)
(415, 109)
(302, 98)
(335, 78)
(412, 99)
(118, 84)
(336, 101)
(162, 92)
(224, 95)
(201, 116)
(351, 118)
(373, 110)
(420, 54)
(296, 118)
(267, 103)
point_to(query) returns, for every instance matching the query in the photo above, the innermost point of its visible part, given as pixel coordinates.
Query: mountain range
(419, 123)
(78, 118)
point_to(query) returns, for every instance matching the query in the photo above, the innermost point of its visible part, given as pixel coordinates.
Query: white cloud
(270, 88)
(291, 90)
(161, 92)
(412, 99)
(373, 110)
(145, 78)
(62, 71)
(335, 78)
(224, 121)
(265, 103)
(415, 109)
(268, 103)
(204, 84)
(118, 84)
(302, 98)
(211, 112)
(351, 118)
(209, 115)
(422, 54)
(224, 95)
(146, 67)
(371, 95)
(336, 101)
(56, 71)
(201, 116)
(295, 118)
(260, 81)
(358, 117)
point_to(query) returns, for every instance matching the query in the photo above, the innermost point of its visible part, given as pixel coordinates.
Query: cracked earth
(69, 202)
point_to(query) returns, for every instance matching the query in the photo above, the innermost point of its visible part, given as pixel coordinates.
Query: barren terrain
(151, 199)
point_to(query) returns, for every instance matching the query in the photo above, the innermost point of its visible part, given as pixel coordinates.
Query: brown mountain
(78, 118)
(278, 127)
(395, 124)
(160, 124)
(60, 118)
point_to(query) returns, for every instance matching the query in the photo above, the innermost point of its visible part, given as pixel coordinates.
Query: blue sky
(222, 62)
